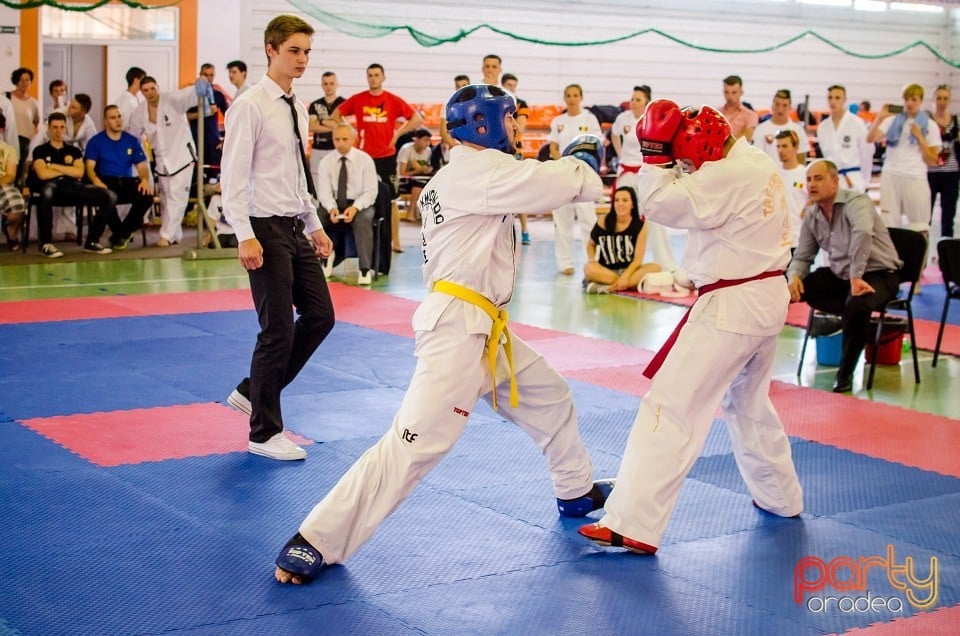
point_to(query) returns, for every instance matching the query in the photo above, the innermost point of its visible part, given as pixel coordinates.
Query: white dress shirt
(362, 183)
(261, 171)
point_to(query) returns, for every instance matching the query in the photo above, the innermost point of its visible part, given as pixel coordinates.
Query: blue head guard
(475, 115)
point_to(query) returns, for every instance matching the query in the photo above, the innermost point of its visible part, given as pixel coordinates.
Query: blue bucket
(829, 349)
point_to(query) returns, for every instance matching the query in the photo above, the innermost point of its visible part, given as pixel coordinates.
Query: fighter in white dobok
(162, 119)
(734, 206)
(843, 140)
(470, 262)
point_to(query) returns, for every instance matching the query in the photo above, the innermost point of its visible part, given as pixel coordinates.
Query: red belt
(661, 355)
(625, 168)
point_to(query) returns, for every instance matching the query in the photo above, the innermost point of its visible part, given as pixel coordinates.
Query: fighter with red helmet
(464, 350)
(733, 204)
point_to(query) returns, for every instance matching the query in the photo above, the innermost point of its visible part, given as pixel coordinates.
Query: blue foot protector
(300, 558)
(593, 500)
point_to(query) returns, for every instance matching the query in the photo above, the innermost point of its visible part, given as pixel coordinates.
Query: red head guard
(701, 136)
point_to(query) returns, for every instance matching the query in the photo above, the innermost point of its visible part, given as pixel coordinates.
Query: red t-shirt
(377, 117)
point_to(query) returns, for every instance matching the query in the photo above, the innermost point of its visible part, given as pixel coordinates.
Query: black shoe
(96, 248)
(843, 384)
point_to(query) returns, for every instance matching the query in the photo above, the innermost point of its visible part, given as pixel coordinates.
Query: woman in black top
(616, 247)
(944, 177)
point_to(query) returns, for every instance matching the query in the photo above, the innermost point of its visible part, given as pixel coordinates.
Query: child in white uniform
(470, 262)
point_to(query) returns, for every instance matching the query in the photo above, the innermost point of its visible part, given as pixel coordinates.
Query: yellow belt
(499, 328)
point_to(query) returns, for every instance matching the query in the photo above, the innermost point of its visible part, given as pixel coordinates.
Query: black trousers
(823, 290)
(291, 275)
(65, 191)
(127, 192)
(947, 184)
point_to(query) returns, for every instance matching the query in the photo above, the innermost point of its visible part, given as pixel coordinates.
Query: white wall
(9, 45)
(608, 72)
(219, 37)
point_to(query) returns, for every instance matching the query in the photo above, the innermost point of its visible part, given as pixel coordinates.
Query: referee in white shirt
(268, 198)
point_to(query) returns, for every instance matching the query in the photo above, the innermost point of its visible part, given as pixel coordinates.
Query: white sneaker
(597, 288)
(50, 251)
(365, 280)
(277, 447)
(240, 402)
(328, 266)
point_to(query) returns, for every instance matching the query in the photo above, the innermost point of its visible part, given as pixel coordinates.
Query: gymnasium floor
(130, 506)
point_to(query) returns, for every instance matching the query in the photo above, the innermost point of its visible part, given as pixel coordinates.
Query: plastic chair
(948, 255)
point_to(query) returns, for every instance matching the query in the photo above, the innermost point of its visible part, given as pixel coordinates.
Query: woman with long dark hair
(616, 246)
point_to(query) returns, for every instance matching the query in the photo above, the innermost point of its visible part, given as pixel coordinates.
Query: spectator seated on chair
(347, 189)
(111, 157)
(55, 175)
(863, 272)
(415, 167)
(12, 205)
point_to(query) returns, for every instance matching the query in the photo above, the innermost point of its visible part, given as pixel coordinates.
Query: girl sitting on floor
(616, 247)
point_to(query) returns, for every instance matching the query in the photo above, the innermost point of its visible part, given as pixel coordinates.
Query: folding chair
(948, 255)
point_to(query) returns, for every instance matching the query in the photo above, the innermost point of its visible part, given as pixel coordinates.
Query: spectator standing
(765, 135)
(130, 99)
(322, 122)
(237, 72)
(843, 140)
(742, 120)
(944, 177)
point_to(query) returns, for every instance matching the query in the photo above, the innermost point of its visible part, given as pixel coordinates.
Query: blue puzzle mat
(187, 545)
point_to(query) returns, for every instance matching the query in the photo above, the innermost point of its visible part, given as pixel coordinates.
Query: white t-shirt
(795, 181)
(625, 125)
(564, 128)
(408, 153)
(905, 159)
(765, 137)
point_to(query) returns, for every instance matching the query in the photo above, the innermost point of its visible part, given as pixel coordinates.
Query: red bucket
(891, 342)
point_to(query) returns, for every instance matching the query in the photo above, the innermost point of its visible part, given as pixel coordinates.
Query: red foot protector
(607, 537)
(145, 435)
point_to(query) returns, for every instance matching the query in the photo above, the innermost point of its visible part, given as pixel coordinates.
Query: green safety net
(81, 6)
(369, 29)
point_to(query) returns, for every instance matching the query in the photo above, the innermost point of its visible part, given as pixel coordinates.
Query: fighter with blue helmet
(464, 348)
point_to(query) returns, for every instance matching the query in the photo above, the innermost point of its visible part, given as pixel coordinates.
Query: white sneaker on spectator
(365, 279)
(50, 251)
(277, 447)
(328, 266)
(597, 288)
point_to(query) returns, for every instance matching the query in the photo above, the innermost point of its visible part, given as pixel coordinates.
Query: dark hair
(421, 132)
(733, 80)
(643, 88)
(56, 84)
(492, 56)
(376, 65)
(789, 134)
(3, 121)
(85, 102)
(20, 72)
(205, 66)
(462, 78)
(134, 73)
(610, 221)
(865, 104)
(148, 79)
(576, 86)
(328, 74)
(837, 87)
(109, 107)
(240, 65)
(783, 93)
(56, 116)
(506, 77)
